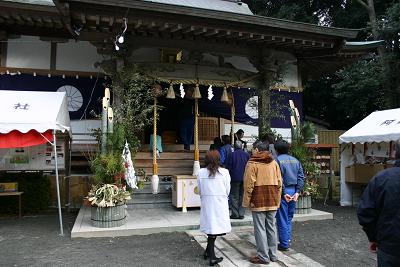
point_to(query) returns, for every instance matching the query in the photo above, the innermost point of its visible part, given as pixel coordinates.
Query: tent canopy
(24, 111)
(379, 126)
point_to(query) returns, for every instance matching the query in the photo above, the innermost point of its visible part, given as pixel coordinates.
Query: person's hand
(287, 197)
(373, 247)
(295, 197)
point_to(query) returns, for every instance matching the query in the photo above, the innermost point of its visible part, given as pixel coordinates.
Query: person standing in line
(239, 137)
(236, 163)
(293, 182)
(262, 194)
(214, 186)
(226, 149)
(217, 144)
(379, 214)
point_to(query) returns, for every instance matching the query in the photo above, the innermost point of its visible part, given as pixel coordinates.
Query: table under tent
(367, 148)
(28, 120)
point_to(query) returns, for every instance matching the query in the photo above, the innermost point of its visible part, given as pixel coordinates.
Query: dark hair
(262, 146)
(282, 147)
(217, 144)
(226, 139)
(256, 143)
(240, 131)
(212, 161)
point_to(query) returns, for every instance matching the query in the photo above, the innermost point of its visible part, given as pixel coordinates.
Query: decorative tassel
(197, 94)
(224, 97)
(171, 92)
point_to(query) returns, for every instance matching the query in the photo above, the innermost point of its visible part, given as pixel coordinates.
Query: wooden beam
(176, 28)
(211, 33)
(53, 55)
(188, 29)
(3, 59)
(111, 21)
(138, 24)
(200, 31)
(63, 9)
(164, 27)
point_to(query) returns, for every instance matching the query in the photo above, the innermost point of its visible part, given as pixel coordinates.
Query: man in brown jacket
(262, 194)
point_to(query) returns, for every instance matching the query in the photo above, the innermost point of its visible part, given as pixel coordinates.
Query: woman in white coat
(214, 187)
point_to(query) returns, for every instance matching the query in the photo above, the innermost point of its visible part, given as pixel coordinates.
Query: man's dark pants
(237, 199)
(387, 260)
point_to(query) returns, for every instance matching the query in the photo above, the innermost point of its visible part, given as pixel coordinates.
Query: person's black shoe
(234, 217)
(241, 217)
(282, 248)
(215, 261)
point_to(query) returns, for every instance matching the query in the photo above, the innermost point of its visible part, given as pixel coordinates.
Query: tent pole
(57, 183)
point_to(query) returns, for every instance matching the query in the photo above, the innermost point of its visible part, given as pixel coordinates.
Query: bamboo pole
(154, 178)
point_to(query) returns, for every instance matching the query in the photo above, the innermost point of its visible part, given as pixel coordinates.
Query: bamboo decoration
(196, 130)
(184, 206)
(104, 121)
(154, 178)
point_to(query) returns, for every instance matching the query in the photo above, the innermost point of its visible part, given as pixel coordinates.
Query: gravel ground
(337, 242)
(34, 241)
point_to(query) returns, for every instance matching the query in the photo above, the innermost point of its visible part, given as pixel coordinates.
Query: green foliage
(311, 170)
(107, 168)
(134, 102)
(360, 90)
(36, 188)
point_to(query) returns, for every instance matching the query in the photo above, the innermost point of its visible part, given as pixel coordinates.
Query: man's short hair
(238, 145)
(262, 146)
(226, 139)
(282, 147)
(240, 131)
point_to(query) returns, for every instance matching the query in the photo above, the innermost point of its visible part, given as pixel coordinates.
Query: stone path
(237, 247)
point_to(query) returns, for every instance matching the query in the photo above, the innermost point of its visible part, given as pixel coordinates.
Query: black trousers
(388, 260)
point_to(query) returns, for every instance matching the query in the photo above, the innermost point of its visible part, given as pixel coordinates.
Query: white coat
(214, 192)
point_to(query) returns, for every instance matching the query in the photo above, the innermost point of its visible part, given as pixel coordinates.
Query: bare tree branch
(361, 2)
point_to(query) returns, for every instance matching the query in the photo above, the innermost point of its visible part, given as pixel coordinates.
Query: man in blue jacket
(293, 181)
(379, 214)
(236, 164)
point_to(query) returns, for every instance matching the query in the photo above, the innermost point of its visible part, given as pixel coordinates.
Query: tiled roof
(219, 5)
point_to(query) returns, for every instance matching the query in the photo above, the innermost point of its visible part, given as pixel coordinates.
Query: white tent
(369, 137)
(30, 112)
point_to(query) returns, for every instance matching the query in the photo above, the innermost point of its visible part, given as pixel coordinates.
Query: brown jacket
(262, 183)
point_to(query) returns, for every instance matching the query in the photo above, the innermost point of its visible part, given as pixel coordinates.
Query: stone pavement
(237, 247)
(158, 220)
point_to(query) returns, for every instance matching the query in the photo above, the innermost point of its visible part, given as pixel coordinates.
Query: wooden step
(168, 155)
(169, 171)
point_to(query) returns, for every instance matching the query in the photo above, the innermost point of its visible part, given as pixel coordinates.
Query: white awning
(379, 126)
(33, 110)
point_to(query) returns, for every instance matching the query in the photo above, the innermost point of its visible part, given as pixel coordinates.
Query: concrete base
(150, 221)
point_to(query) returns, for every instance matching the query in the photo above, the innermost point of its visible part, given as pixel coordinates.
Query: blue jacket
(379, 210)
(236, 164)
(224, 152)
(292, 172)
